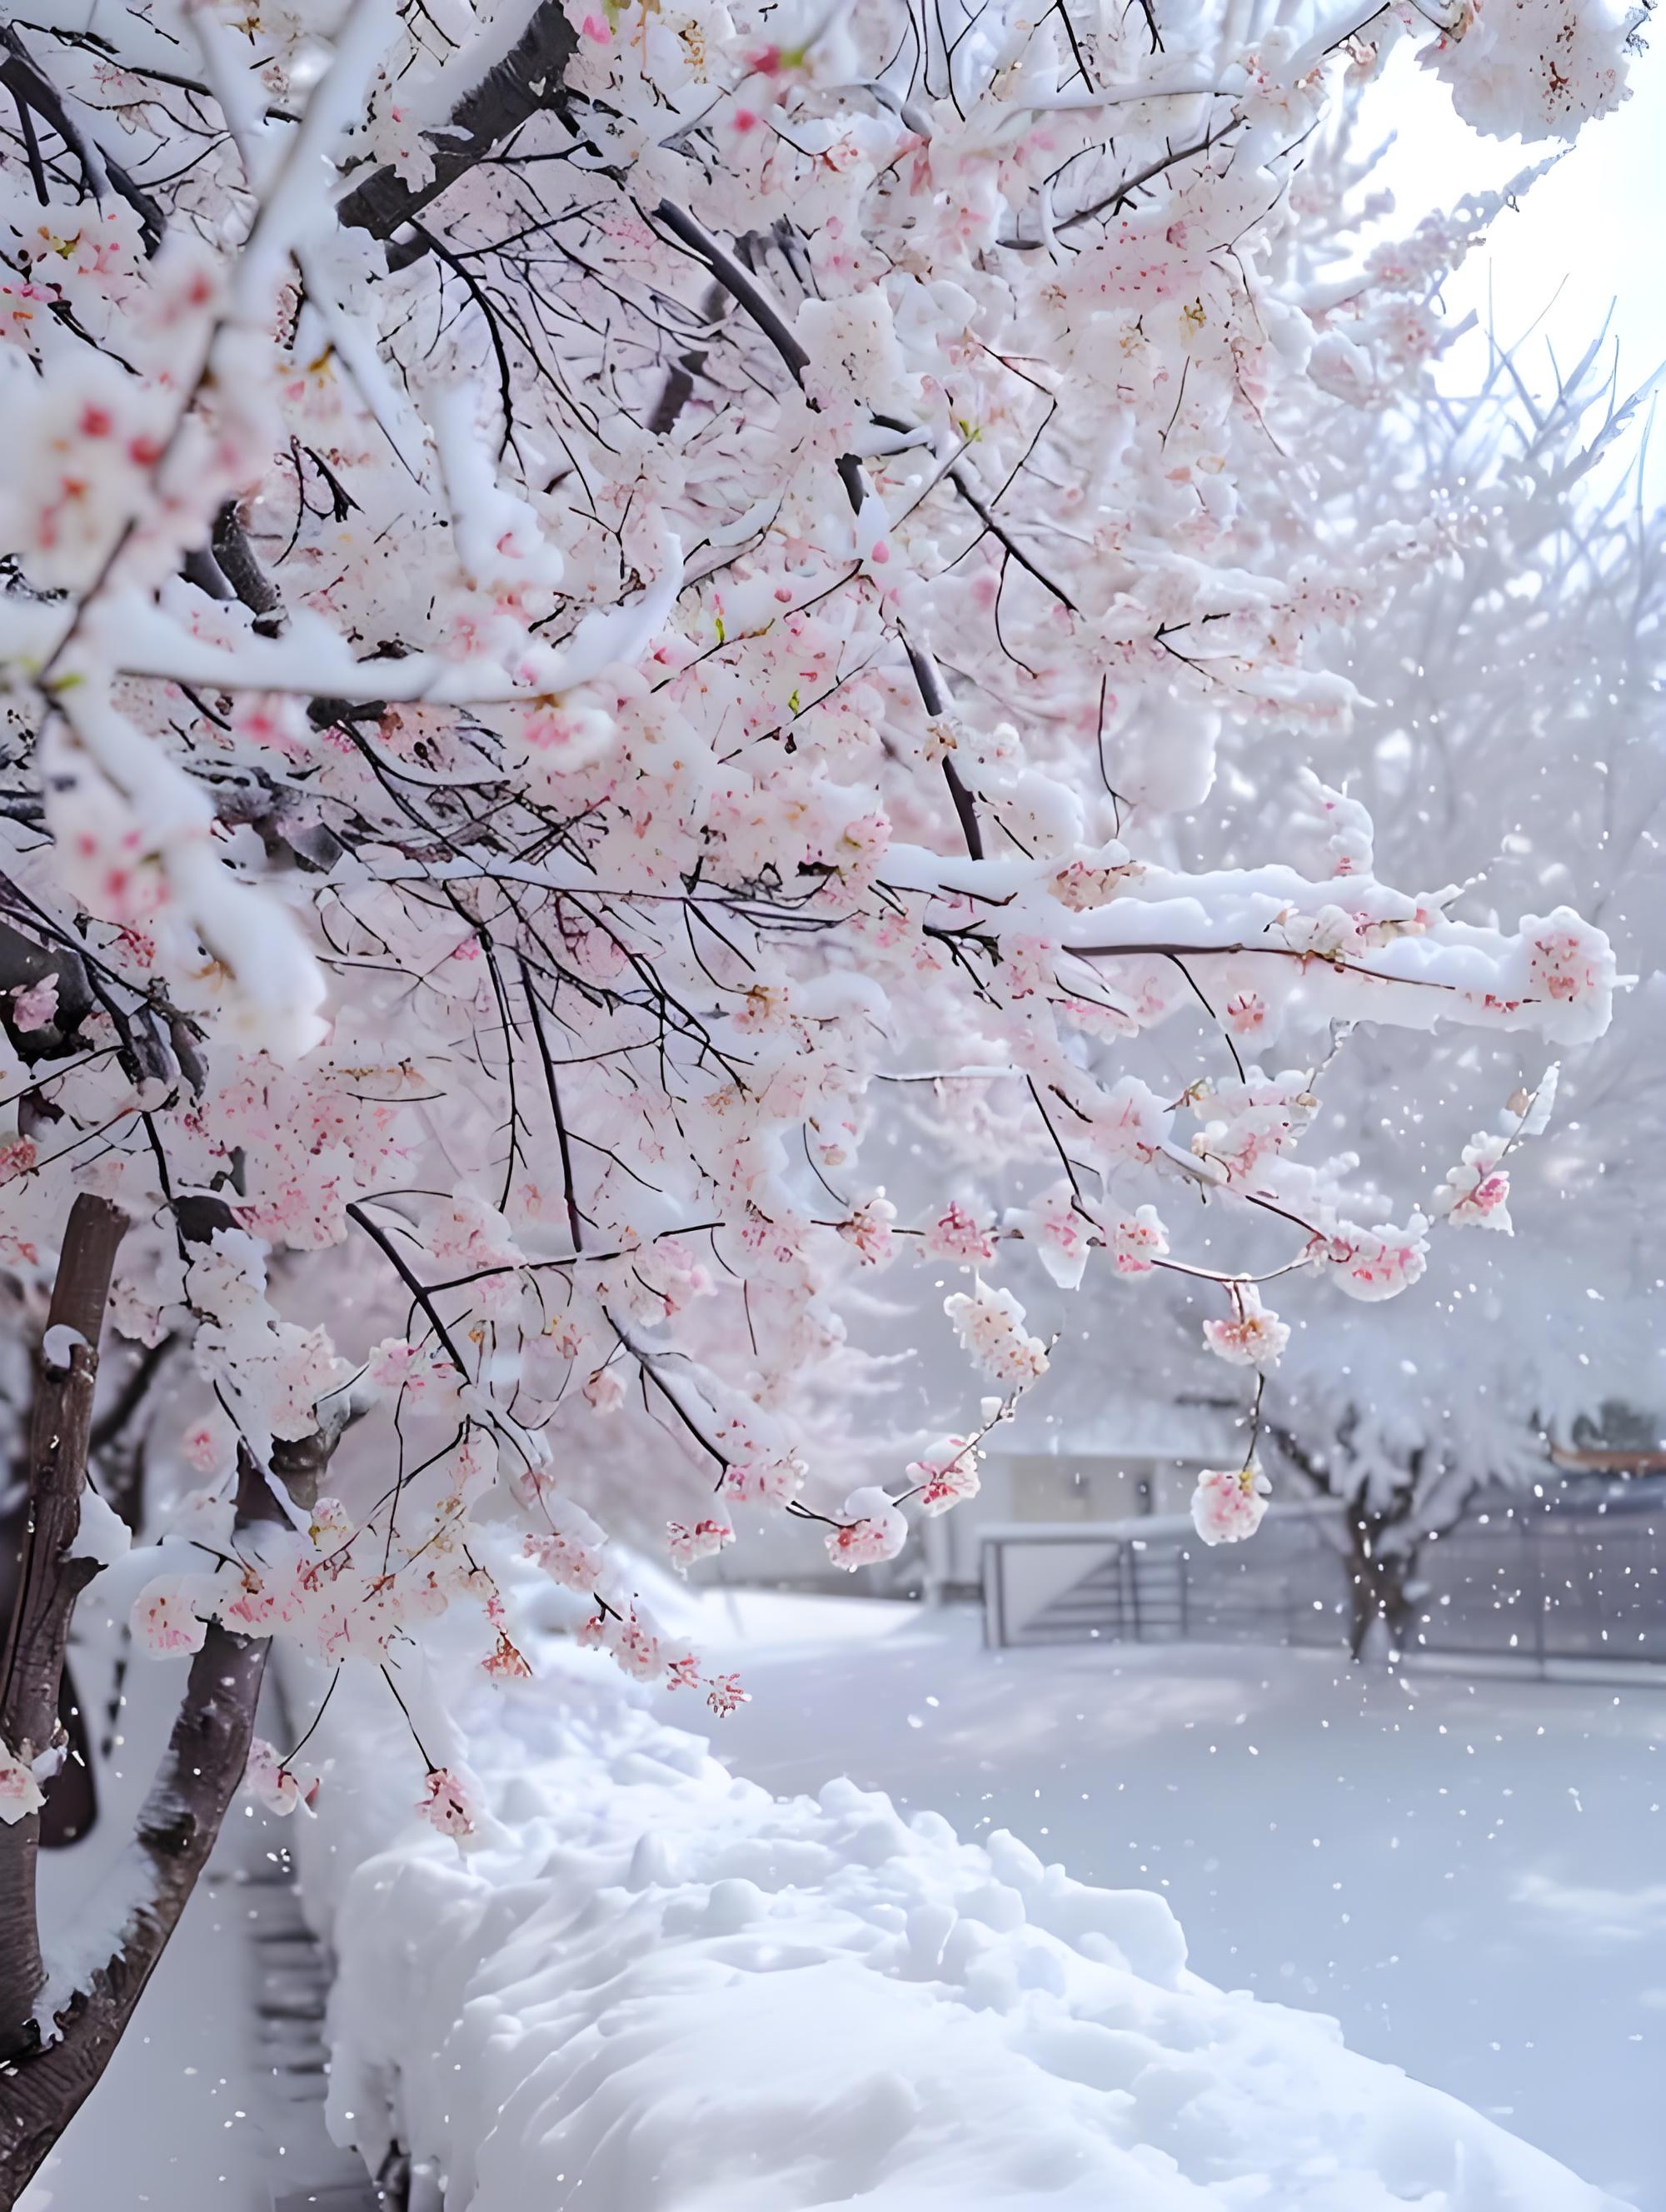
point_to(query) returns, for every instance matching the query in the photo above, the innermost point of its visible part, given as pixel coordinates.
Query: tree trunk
(48, 1582)
(44, 2082)
(42, 2090)
(1380, 1613)
(72, 1800)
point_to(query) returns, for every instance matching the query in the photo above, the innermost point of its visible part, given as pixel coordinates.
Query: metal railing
(1539, 1580)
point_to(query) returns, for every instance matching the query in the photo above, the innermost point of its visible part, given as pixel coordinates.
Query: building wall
(1053, 1487)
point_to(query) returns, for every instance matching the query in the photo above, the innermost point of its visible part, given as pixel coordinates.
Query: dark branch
(48, 1580)
(31, 88)
(510, 92)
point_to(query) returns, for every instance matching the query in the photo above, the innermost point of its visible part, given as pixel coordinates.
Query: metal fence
(1542, 1580)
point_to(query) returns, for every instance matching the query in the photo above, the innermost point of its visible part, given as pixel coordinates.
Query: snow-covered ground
(171, 2124)
(1469, 1875)
(647, 1989)
(1465, 1874)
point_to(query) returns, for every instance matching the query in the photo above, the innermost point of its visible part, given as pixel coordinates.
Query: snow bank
(655, 1989)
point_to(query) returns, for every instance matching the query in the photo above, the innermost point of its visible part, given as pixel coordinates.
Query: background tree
(1509, 729)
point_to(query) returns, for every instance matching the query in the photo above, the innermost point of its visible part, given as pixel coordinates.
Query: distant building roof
(1610, 1462)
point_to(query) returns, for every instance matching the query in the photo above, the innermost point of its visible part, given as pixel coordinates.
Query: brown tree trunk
(44, 2086)
(41, 2091)
(48, 1582)
(72, 1798)
(1377, 1585)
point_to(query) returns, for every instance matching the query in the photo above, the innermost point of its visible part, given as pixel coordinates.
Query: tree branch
(935, 699)
(31, 88)
(511, 91)
(48, 1582)
(234, 558)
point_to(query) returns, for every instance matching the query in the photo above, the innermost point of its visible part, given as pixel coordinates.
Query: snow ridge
(653, 1988)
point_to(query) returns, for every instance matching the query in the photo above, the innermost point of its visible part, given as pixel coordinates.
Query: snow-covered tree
(579, 585)
(1510, 735)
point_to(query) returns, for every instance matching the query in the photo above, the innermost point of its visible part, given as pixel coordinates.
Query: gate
(1564, 1576)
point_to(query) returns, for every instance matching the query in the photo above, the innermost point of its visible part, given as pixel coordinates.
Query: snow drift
(653, 1988)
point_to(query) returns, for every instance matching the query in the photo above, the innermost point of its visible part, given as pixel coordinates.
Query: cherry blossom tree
(581, 584)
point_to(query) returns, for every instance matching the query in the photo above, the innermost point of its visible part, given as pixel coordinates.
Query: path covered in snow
(1471, 1875)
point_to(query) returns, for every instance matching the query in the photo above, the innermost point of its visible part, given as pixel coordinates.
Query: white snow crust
(653, 1988)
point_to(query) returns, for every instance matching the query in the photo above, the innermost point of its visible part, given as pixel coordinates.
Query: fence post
(994, 1593)
(1536, 1550)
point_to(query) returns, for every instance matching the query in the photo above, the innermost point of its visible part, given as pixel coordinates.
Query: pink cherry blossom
(700, 1540)
(21, 1795)
(565, 1559)
(958, 1235)
(725, 1695)
(1059, 1229)
(421, 1377)
(36, 1006)
(877, 1531)
(164, 1617)
(448, 1803)
(1475, 1194)
(1371, 1264)
(990, 1322)
(504, 1662)
(1228, 1506)
(868, 1228)
(1138, 1240)
(275, 1785)
(1246, 1013)
(1253, 1337)
(767, 1479)
(946, 1474)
